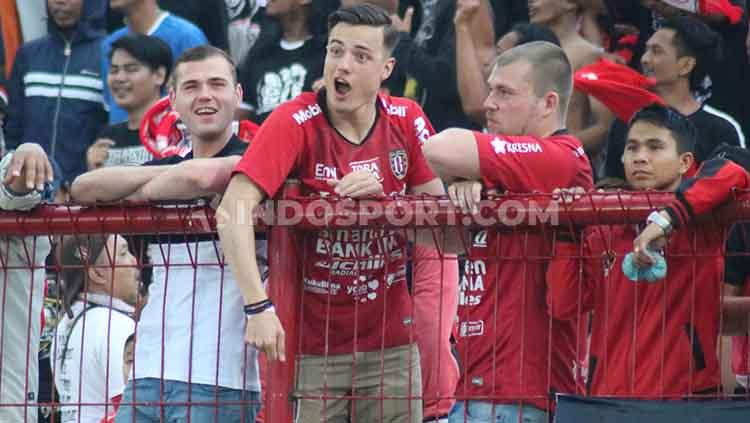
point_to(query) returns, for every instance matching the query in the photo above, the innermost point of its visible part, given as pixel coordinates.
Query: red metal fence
(528, 235)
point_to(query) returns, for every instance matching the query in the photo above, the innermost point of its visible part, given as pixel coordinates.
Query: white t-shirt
(94, 366)
(190, 338)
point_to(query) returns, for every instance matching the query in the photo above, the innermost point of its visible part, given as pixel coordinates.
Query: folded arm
(113, 183)
(190, 179)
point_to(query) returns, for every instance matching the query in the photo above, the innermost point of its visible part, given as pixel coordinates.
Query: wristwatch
(661, 221)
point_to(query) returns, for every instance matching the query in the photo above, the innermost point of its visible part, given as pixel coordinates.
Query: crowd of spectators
(79, 80)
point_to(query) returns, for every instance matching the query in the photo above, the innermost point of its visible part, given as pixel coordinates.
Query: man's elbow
(238, 203)
(214, 179)
(83, 188)
(438, 153)
(204, 182)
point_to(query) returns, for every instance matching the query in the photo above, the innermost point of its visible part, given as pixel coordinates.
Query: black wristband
(256, 308)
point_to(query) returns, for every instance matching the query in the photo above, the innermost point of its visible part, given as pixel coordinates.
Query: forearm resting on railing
(190, 179)
(112, 183)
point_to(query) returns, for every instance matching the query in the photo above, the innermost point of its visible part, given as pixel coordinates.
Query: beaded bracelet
(259, 307)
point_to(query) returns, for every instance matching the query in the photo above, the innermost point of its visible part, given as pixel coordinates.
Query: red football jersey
(647, 339)
(360, 274)
(504, 328)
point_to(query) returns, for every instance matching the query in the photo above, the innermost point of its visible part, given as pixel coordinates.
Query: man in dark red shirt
(350, 141)
(658, 339)
(513, 353)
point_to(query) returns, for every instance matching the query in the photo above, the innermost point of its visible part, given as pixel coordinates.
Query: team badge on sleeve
(399, 162)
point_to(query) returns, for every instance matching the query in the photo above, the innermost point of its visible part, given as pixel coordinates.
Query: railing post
(285, 290)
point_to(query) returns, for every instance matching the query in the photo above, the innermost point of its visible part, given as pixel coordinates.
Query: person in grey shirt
(27, 177)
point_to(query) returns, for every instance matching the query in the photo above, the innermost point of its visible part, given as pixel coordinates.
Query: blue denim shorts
(209, 404)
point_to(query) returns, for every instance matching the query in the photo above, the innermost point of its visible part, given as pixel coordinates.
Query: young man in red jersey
(512, 351)
(653, 339)
(350, 141)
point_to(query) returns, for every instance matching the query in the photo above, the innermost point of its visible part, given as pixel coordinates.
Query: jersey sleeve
(274, 151)
(711, 187)
(419, 171)
(528, 164)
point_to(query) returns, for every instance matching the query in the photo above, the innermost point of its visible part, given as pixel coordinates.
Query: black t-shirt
(729, 78)
(729, 83)
(430, 59)
(713, 129)
(239, 9)
(737, 261)
(278, 72)
(128, 149)
(235, 147)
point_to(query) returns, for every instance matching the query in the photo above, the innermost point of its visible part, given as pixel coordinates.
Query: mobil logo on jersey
(399, 162)
(303, 115)
(502, 146)
(394, 110)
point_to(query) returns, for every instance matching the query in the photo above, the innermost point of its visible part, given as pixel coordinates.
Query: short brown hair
(368, 15)
(550, 69)
(200, 53)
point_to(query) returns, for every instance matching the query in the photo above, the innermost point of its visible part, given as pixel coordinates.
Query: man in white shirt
(189, 352)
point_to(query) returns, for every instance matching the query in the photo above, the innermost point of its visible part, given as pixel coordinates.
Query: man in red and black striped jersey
(346, 140)
(658, 339)
(504, 342)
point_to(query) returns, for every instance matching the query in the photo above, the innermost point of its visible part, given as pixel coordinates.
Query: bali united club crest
(399, 163)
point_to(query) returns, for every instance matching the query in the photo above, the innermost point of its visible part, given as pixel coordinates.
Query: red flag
(620, 88)
(626, 44)
(163, 133)
(722, 7)
(247, 130)
(709, 7)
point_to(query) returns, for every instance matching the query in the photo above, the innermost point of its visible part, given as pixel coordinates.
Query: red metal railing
(312, 214)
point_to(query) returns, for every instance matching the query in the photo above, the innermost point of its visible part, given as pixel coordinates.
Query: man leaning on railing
(656, 292)
(193, 362)
(27, 176)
